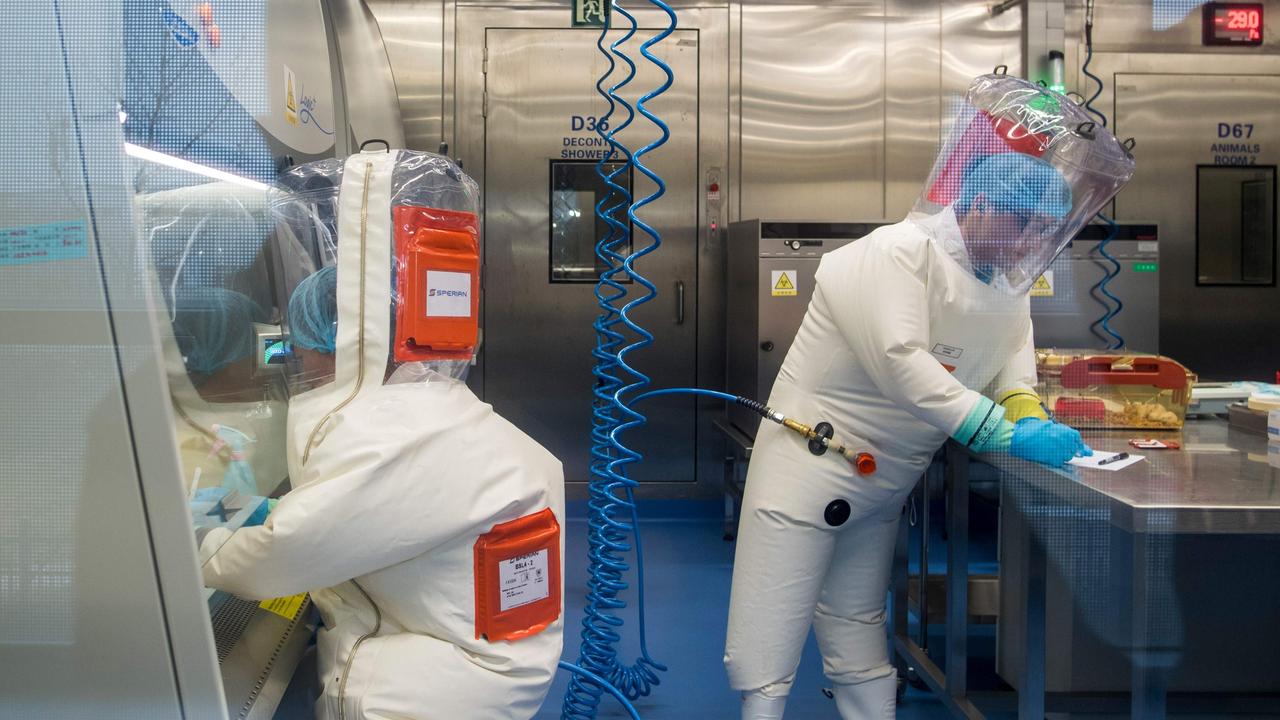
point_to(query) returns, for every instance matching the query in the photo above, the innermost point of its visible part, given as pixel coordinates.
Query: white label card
(524, 580)
(448, 294)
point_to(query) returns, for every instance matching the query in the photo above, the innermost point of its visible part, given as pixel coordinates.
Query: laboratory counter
(1114, 546)
(1221, 480)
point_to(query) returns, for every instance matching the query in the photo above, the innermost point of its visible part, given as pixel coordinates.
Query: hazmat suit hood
(1022, 169)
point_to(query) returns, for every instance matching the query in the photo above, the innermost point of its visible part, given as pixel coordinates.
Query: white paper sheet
(1097, 457)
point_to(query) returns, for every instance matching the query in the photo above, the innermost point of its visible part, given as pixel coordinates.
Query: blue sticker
(41, 243)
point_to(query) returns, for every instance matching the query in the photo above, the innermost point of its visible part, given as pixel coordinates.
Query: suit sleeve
(318, 536)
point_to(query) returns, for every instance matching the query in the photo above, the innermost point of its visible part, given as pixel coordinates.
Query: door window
(1235, 225)
(576, 190)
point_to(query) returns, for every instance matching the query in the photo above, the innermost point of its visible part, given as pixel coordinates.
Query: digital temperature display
(1232, 23)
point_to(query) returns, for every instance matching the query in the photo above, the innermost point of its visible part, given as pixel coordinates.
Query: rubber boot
(758, 706)
(871, 700)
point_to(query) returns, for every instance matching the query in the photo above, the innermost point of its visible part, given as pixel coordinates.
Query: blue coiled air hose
(601, 682)
(613, 524)
(1112, 338)
(1116, 341)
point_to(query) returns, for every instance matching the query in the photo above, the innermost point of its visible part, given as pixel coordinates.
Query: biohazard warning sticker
(290, 96)
(783, 283)
(1043, 286)
(523, 580)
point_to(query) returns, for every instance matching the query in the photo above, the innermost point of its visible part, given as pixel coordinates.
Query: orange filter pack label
(517, 574)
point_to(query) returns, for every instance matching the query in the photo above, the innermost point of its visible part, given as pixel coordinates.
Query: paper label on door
(783, 283)
(524, 580)
(448, 294)
(1043, 286)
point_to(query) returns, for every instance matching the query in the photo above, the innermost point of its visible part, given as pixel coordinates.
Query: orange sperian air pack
(437, 283)
(517, 571)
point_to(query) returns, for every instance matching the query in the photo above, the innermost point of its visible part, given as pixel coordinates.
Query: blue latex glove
(1045, 441)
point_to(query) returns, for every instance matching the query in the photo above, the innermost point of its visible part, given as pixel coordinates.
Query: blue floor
(688, 567)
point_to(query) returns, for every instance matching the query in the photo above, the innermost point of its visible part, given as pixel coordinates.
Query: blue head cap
(214, 327)
(1017, 184)
(313, 311)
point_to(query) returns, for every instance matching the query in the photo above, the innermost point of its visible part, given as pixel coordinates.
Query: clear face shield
(205, 250)
(430, 328)
(1022, 170)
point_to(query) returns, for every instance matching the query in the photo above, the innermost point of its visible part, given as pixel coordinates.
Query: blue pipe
(613, 524)
(1116, 341)
(689, 391)
(626, 704)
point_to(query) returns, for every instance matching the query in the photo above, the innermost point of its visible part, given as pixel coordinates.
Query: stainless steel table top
(1221, 481)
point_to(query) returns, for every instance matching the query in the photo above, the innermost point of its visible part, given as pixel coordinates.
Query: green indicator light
(1145, 267)
(1044, 102)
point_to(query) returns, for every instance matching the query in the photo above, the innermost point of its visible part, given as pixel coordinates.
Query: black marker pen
(1117, 458)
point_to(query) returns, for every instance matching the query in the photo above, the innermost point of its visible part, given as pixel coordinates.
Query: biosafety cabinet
(133, 201)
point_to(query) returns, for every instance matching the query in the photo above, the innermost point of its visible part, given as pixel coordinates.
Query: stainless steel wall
(841, 103)
(413, 32)
(836, 107)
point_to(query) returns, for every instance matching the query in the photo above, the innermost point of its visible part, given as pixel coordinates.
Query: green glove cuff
(985, 429)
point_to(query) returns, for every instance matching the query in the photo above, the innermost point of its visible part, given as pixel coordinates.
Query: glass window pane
(1235, 226)
(576, 189)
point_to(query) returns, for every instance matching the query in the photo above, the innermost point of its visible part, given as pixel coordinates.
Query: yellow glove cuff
(1021, 403)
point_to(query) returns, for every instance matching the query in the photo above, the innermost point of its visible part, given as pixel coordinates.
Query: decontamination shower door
(541, 112)
(1206, 173)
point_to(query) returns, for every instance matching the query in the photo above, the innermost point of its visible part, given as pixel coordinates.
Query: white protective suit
(909, 330)
(890, 315)
(393, 488)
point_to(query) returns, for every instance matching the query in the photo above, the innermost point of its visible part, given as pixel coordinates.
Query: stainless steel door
(1182, 122)
(541, 109)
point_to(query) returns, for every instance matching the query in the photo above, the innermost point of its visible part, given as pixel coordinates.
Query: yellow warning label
(1043, 286)
(285, 607)
(290, 97)
(784, 284)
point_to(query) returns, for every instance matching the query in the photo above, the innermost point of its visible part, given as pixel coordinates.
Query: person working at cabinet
(425, 526)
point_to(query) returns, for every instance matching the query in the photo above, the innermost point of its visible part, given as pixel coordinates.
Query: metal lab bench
(1220, 483)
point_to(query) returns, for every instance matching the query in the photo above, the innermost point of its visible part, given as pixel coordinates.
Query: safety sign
(784, 283)
(591, 13)
(524, 580)
(1043, 286)
(285, 607)
(290, 96)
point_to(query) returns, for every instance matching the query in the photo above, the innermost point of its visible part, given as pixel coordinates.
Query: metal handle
(679, 302)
